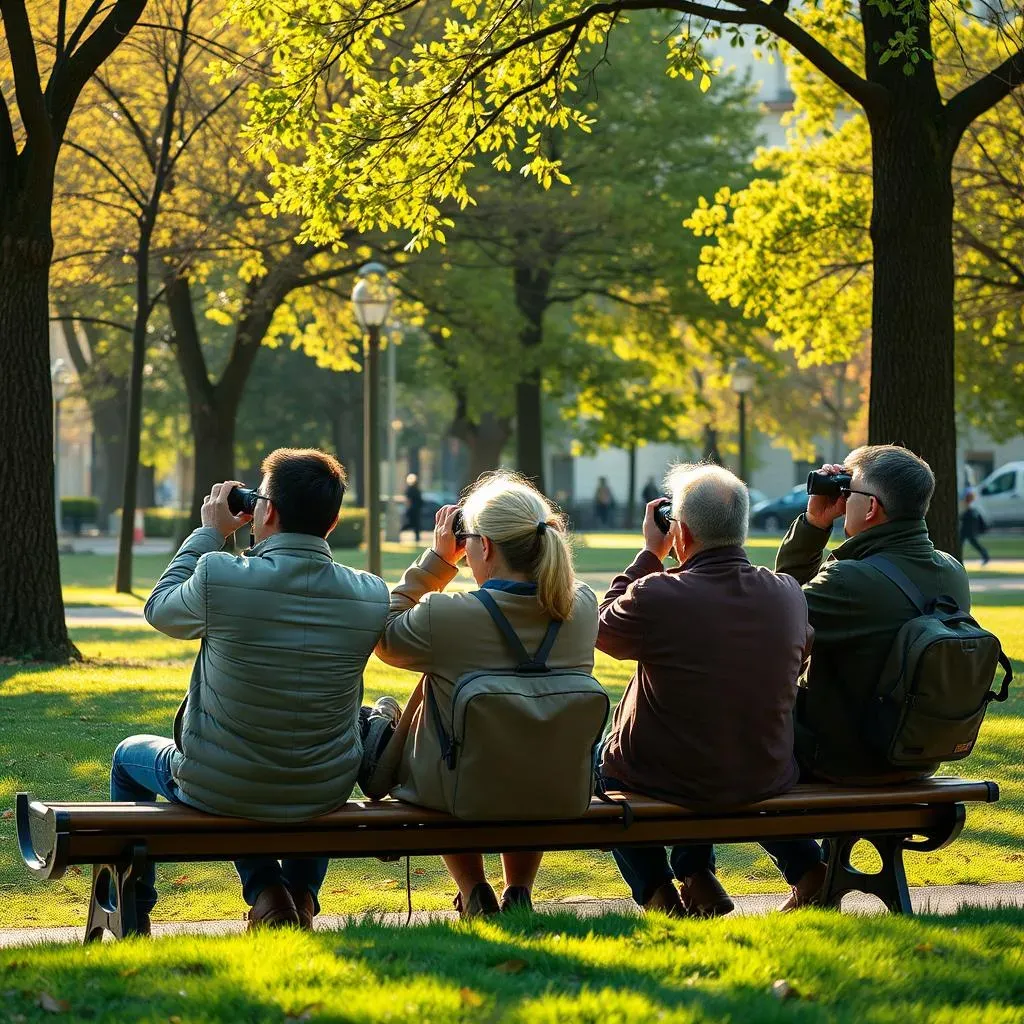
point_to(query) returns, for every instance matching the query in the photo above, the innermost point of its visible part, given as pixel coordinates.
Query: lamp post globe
(372, 297)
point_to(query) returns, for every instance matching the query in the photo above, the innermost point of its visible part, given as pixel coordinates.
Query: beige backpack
(520, 743)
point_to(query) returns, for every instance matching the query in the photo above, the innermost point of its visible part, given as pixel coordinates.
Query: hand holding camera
(225, 510)
(826, 503)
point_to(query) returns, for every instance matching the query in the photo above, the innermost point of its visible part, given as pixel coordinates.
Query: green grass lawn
(60, 727)
(537, 969)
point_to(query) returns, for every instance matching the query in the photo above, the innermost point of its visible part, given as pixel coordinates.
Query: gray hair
(902, 482)
(713, 503)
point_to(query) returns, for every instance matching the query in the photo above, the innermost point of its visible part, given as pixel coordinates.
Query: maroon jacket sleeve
(621, 625)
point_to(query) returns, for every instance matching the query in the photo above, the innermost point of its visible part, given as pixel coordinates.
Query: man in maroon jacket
(707, 719)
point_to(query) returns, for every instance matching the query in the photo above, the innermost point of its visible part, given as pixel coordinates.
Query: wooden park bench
(117, 839)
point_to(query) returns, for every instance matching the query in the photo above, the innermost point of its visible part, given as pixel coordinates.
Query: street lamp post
(742, 383)
(371, 300)
(59, 383)
(392, 528)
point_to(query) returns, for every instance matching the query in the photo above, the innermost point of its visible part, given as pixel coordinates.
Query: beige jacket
(444, 636)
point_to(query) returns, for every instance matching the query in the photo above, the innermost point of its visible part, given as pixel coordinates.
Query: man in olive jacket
(856, 612)
(270, 727)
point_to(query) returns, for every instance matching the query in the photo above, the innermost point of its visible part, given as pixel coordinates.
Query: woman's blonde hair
(530, 533)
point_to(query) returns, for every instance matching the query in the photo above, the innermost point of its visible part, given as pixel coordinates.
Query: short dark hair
(902, 481)
(306, 487)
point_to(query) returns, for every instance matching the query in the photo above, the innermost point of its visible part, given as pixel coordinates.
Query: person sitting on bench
(707, 719)
(516, 547)
(270, 727)
(855, 610)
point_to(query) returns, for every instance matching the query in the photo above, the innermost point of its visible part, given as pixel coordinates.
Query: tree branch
(8, 147)
(69, 76)
(93, 320)
(971, 102)
(27, 86)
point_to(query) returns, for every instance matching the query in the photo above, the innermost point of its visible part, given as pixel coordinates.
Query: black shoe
(516, 897)
(481, 903)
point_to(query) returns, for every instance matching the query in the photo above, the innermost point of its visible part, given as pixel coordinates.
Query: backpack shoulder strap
(524, 663)
(898, 577)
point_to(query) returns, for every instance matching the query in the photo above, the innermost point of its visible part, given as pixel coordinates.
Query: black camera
(458, 526)
(663, 515)
(829, 485)
(242, 500)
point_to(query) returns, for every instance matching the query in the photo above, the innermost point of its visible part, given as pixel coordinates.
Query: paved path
(934, 899)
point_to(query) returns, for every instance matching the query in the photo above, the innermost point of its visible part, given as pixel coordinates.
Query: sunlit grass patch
(543, 968)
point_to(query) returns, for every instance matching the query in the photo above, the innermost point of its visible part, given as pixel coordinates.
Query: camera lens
(661, 515)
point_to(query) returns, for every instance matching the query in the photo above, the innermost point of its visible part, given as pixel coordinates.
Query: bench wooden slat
(151, 819)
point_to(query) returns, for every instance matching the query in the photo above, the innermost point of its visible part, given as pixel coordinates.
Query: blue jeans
(141, 771)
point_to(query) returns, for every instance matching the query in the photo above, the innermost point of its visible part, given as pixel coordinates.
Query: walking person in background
(650, 491)
(604, 502)
(413, 505)
(972, 525)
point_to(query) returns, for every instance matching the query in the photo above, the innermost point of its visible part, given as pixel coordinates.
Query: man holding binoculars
(270, 727)
(884, 492)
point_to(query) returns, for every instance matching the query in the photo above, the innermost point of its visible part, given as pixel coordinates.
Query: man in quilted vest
(270, 727)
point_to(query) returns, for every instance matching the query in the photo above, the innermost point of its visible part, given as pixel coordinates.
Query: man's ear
(271, 517)
(488, 546)
(337, 519)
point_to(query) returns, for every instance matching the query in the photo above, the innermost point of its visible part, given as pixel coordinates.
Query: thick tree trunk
(213, 427)
(532, 285)
(31, 606)
(631, 493)
(486, 441)
(912, 342)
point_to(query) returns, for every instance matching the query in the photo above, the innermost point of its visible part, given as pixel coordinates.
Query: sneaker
(703, 896)
(481, 903)
(808, 891)
(516, 897)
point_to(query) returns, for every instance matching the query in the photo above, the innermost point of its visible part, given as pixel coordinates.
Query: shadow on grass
(549, 968)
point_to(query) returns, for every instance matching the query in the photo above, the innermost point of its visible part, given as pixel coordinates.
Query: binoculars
(663, 516)
(830, 485)
(242, 499)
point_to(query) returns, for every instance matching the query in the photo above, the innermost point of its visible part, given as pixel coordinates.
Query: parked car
(1000, 496)
(776, 514)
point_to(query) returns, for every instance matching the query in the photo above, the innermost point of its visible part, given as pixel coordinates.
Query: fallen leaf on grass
(74, 870)
(180, 880)
(8, 814)
(418, 871)
(339, 892)
(129, 972)
(470, 998)
(50, 1005)
(782, 990)
(510, 966)
(174, 1019)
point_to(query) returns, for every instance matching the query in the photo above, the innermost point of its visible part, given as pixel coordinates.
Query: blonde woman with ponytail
(516, 546)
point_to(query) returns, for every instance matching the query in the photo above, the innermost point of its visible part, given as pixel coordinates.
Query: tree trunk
(31, 606)
(912, 341)
(631, 494)
(711, 452)
(532, 285)
(213, 427)
(108, 420)
(486, 441)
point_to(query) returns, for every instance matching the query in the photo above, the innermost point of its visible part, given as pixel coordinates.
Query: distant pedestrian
(413, 506)
(604, 502)
(650, 491)
(972, 525)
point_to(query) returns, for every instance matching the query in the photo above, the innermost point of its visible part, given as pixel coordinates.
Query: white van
(1001, 496)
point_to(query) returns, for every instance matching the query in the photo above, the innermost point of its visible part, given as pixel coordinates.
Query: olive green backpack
(935, 688)
(520, 742)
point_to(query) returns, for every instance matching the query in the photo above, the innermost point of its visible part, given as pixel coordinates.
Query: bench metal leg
(889, 884)
(112, 905)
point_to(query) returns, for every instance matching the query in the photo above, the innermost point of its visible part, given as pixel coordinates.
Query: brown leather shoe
(703, 896)
(665, 900)
(516, 897)
(274, 908)
(481, 903)
(304, 907)
(808, 891)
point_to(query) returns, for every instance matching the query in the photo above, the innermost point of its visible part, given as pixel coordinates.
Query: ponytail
(531, 535)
